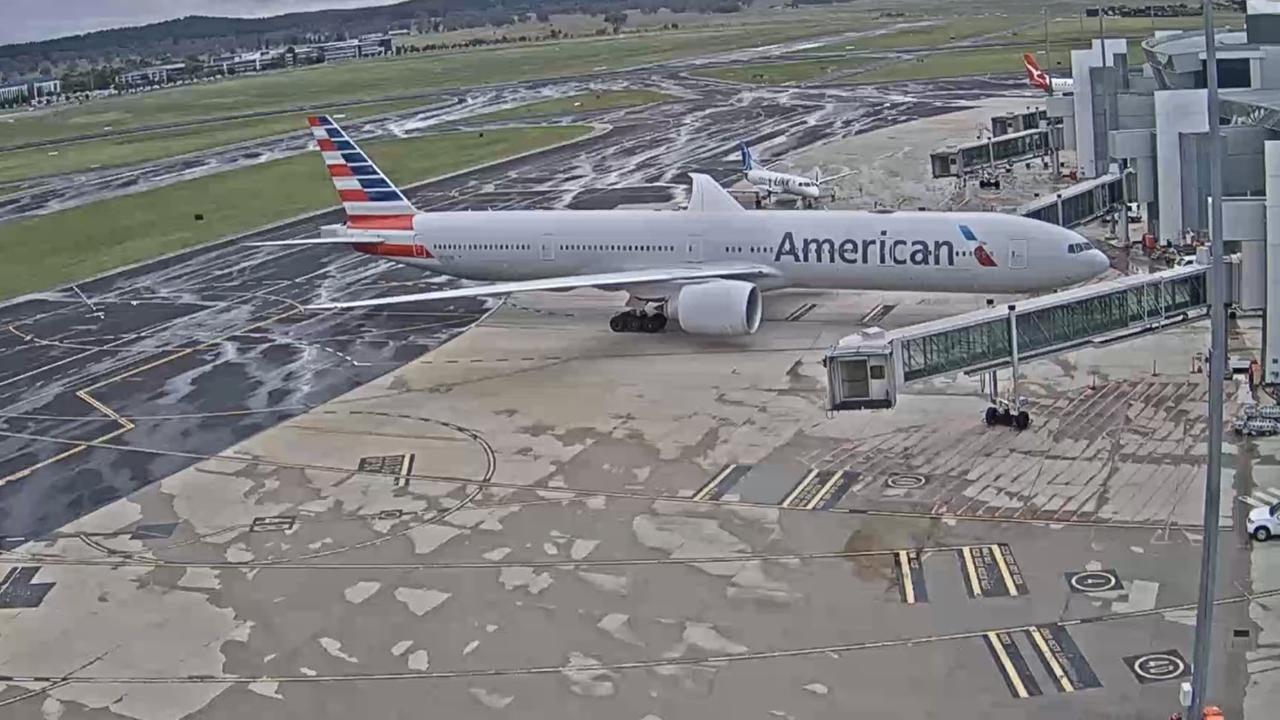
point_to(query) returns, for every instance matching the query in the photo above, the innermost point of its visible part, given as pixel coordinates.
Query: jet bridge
(867, 370)
(1081, 203)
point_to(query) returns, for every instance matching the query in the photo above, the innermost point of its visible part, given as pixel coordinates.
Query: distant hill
(201, 35)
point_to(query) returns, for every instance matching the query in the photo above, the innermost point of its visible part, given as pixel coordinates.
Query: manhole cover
(1158, 666)
(905, 482)
(1091, 581)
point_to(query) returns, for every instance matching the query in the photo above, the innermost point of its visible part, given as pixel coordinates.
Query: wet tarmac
(227, 317)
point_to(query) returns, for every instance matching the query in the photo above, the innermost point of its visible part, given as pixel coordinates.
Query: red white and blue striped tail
(371, 201)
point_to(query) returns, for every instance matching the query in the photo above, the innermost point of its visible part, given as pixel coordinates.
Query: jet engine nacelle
(718, 307)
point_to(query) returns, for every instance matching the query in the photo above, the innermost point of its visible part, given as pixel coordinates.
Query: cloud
(42, 19)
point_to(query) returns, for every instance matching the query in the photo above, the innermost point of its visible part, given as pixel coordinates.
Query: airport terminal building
(1154, 122)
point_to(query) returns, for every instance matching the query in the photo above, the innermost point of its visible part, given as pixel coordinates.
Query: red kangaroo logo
(1035, 75)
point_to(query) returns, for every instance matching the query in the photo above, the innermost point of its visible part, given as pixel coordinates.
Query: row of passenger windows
(597, 248)
(621, 248)
(481, 246)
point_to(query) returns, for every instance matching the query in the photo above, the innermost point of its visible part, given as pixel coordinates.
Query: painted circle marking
(905, 482)
(1094, 581)
(1159, 666)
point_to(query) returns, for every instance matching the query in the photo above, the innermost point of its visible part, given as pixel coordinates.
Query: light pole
(1048, 65)
(1048, 60)
(1217, 366)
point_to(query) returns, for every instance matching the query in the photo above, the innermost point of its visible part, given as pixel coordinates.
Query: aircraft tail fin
(707, 195)
(1035, 76)
(371, 200)
(748, 160)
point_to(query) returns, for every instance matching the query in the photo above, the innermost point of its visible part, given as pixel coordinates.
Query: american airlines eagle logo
(979, 248)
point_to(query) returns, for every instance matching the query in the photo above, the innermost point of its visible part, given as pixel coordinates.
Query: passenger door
(1018, 254)
(693, 246)
(547, 250)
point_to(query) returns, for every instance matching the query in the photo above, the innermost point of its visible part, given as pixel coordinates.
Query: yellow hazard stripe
(800, 486)
(908, 582)
(1051, 660)
(817, 497)
(1004, 570)
(1007, 665)
(710, 487)
(971, 571)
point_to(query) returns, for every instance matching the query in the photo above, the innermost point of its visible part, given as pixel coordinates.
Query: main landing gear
(633, 321)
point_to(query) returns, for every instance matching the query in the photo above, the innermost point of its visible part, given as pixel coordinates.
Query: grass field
(946, 30)
(143, 147)
(1074, 30)
(425, 72)
(1028, 30)
(582, 102)
(958, 63)
(1065, 35)
(785, 72)
(49, 250)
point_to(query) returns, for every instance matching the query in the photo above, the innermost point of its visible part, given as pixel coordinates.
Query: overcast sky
(26, 20)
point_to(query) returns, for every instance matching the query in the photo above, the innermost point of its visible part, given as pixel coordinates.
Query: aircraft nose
(1098, 262)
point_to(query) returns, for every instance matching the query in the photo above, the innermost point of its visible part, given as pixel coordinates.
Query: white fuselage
(919, 251)
(776, 183)
(1063, 85)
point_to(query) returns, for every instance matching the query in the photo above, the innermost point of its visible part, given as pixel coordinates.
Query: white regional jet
(771, 182)
(704, 266)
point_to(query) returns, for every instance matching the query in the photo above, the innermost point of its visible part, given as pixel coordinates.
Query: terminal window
(1234, 73)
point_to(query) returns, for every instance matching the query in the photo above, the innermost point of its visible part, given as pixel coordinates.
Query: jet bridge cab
(861, 376)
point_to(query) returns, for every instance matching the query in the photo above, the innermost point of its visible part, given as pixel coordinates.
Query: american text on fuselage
(865, 251)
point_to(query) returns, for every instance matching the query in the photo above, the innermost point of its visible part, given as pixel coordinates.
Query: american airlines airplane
(705, 266)
(1039, 78)
(770, 182)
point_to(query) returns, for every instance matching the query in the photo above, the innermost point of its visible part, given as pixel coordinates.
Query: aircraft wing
(570, 282)
(836, 177)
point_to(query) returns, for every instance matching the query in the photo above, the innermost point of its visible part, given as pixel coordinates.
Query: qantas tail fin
(372, 202)
(1035, 76)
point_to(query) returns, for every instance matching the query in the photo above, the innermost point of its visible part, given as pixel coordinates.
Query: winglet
(708, 196)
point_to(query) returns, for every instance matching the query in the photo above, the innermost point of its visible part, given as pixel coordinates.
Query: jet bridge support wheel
(1020, 420)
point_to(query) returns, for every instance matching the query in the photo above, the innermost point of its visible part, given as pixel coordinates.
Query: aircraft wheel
(620, 323)
(655, 323)
(1022, 421)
